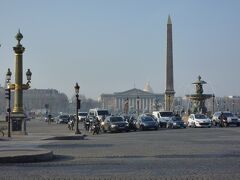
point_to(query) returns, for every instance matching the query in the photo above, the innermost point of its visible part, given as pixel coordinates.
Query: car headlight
(113, 125)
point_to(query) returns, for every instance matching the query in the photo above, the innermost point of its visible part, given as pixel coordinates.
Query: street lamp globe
(29, 75)
(8, 75)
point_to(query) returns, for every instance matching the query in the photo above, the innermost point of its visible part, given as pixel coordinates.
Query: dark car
(176, 122)
(63, 119)
(146, 122)
(115, 124)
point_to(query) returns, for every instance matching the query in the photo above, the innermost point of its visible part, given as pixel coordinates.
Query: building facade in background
(36, 100)
(117, 101)
(49, 100)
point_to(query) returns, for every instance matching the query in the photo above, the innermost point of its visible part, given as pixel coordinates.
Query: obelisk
(169, 92)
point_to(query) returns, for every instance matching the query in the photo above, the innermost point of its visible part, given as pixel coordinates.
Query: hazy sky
(111, 45)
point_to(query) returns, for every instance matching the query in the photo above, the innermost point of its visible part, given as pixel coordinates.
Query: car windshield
(64, 116)
(166, 114)
(177, 118)
(103, 112)
(200, 116)
(228, 114)
(82, 114)
(116, 119)
(147, 119)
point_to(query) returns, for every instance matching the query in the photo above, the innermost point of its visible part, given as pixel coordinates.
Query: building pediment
(133, 92)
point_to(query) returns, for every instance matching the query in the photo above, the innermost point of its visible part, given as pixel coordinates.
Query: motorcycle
(223, 122)
(132, 124)
(86, 124)
(71, 124)
(95, 128)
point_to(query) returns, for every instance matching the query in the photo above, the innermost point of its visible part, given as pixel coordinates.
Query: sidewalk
(24, 148)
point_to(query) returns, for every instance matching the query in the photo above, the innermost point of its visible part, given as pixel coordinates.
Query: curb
(25, 155)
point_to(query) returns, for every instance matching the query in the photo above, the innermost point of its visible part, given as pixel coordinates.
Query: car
(145, 122)
(199, 120)
(148, 114)
(176, 122)
(82, 116)
(163, 117)
(49, 118)
(99, 114)
(63, 119)
(230, 118)
(238, 120)
(115, 124)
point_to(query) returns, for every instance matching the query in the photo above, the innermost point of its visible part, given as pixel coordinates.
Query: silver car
(230, 118)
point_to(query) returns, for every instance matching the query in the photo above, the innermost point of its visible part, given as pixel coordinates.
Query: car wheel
(168, 126)
(110, 130)
(225, 124)
(214, 123)
(103, 130)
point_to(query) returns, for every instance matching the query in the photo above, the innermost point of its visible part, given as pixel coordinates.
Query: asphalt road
(192, 153)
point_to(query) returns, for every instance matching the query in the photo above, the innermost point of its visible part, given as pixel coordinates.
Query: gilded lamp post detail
(18, 114)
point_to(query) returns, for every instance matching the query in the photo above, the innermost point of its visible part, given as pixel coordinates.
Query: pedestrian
(49, 118)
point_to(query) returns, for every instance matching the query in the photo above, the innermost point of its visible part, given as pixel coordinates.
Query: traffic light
(7, 93)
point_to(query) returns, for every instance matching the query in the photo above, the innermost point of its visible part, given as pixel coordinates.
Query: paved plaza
(192, 153)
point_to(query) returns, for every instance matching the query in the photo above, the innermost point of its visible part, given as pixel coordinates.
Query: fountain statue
(198, 99)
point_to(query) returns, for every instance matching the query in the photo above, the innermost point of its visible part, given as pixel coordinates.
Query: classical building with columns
(115, 102)
(144, 100)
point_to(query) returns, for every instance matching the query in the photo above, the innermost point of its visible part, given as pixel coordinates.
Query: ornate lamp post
(8, 96)
(18, 115)
(77, 107)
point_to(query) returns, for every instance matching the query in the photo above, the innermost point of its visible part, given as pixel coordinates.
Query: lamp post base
(18, 123)
(77, 131)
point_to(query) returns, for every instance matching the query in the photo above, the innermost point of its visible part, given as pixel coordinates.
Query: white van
(100, 114)
(163, 117)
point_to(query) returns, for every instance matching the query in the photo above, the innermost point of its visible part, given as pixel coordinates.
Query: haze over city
(110, 46)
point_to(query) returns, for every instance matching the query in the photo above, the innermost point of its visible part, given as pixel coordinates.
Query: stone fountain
(198, 99)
